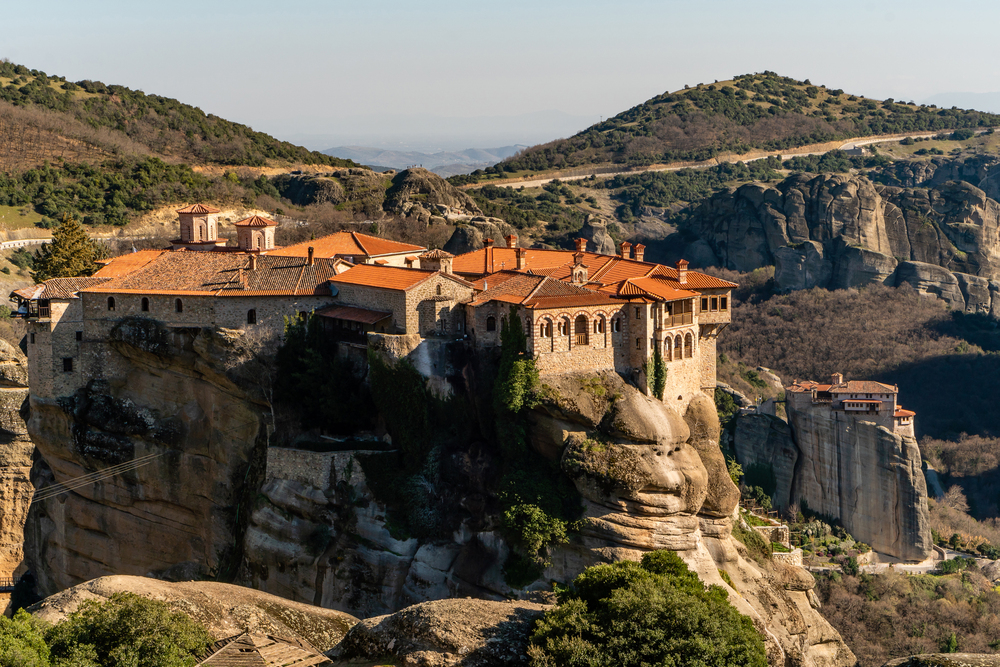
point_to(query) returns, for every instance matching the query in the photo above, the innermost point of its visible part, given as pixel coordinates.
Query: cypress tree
(71, 253)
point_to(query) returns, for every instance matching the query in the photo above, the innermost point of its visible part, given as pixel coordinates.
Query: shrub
(22, 642)
(651, 613)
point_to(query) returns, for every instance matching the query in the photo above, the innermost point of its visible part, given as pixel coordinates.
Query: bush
(651, 613)
(22, 641)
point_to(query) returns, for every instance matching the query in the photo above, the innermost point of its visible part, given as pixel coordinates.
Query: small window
(723, 303)
(715, 303)
(145, 305)
(111, 303)
(31, 339)
(491, 323)
(179, 306)
(252, 316)
(638, 344)
(638, 313)
(439, 290)
(67, 364)
(79, 335)
(704, 303)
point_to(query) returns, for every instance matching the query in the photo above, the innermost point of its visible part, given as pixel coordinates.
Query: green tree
(655, 612)
(127, 630)
(71, 253)
(659, 380)
(22, 642)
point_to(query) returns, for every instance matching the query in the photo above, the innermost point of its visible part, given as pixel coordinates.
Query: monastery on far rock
(582, 311)
(865, 400)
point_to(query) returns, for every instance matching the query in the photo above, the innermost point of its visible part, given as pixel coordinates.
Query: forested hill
(751, 112)
(47, 117)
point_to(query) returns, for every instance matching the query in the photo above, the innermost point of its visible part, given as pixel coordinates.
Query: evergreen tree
(71, 253)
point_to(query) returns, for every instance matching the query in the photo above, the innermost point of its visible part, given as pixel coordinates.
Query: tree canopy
(71, 253)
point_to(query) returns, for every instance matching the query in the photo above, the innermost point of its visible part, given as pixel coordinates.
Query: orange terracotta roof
(67, 288)
(695, 279)
(224, 274)
(900, 412)
(386, 277)
(863, 387)
(125, 264)
(256, 221)
(347, 244)
(654, 287)
(353, 314)
(537, 292)
(199, 209)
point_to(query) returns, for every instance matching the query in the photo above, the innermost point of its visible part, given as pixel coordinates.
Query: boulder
(802, 266)
(469, 235)
(932, 280)
(976, 292)
(702, 419)
(596, 233)
(856, 267)
(471, 633)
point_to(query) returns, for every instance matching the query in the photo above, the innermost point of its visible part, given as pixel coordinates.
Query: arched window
(580, 329)
(491, 323)
(668, 350)
(617, 325)
(145, 305)
(439, 290)
(252, 316)
(111, 303)
(179, 305)
(545, 330)
(688, 346)
(678, 346)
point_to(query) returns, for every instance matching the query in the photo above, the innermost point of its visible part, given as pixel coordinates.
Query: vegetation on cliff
(761, 111)
(655, 612)
(127, 630)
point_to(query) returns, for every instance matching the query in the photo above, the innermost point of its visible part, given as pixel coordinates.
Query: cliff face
(16, 450)
(860, 473)
(178, 510)
(839, 231)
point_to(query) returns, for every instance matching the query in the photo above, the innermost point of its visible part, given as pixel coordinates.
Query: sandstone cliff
(840, 231)
(16, 450)
(845, 468)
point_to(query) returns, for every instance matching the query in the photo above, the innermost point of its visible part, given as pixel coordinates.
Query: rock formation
(183, 505)
(225, 610)
(470, 234)
(840, 231)
(596, 233)
(843, 467)
(473, 633)
(947, 660)
(16, 450)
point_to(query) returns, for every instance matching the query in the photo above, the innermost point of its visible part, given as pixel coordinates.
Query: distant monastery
(582, 311)
(865, 400)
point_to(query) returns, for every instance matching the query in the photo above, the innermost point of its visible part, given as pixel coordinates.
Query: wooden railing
(678, 320)
(581, 339)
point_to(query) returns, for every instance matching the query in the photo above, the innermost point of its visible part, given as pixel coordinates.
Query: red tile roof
(900, 412)
(537, 292)
(125, 264)
(352, 314)
(224, 274)
(256, 221)
(863, 387)
(347, 244)
(657, 288)
(199, 209)
(386, 277)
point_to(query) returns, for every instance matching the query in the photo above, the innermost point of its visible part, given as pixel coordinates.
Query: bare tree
(955, 499)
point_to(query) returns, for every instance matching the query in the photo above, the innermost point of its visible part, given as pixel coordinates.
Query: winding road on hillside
(850, 145)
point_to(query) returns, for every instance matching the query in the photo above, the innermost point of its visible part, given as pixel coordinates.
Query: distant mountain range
(443, 163)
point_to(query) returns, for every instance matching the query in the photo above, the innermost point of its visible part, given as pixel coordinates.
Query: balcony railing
(678, 320)
(581, 339)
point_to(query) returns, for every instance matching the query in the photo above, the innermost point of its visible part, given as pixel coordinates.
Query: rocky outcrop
(840, 231)
(470, 234)
(596, 233)
(420, 193)
(864, 475)
(471, 633)
(225, 610)
(16, 450)
(170, 401)
(947, 660)
(764, 440)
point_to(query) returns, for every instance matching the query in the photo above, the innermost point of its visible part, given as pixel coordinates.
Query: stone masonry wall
(436, 306)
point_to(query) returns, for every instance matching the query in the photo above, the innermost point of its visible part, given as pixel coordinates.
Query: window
(617, 325)
(111, 303)
(678, 346)
(638, 344)
(580, 329)
(252, 316)
(145, 305)
(688, 346)
(704, 303)
(491, 323)
(546, 329)
(179, 306)
(79, 335)
(67, 364)
(31, 339)
(723, 303)
(638, 313)
(715, 303)
(668, 350)
(439, 290)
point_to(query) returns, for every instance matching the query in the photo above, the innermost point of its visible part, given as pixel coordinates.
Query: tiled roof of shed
(224, 274)
(348, 243)
(198, 209)
(59, 288)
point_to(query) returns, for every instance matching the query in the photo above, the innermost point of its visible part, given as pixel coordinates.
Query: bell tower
(255, 234)
(199, 228)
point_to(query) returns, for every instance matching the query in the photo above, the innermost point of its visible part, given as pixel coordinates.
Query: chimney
(624, 250)
(837, 378)
(487, 242)
(522, 259)
(512, 240)
(639, 251)
(312, 255)
(577, 258)
(253, 262)
(581, 245)
(682, 271)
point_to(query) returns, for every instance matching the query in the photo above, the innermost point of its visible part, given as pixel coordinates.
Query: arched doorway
(580, 329)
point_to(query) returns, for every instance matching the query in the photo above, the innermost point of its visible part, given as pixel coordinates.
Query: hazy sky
(451, 75)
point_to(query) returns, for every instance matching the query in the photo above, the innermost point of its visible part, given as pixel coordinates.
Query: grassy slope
(758, 111)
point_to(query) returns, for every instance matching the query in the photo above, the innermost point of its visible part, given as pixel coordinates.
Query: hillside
(93, 120)
(753, 111)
